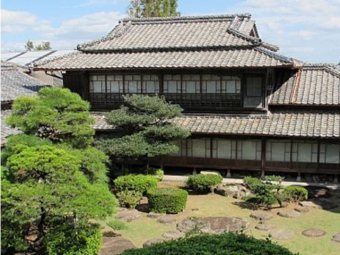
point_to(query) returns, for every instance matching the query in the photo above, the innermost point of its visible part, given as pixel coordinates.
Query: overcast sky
(307, 30)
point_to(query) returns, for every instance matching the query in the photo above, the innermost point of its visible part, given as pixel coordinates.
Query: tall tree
(153, 8)
(29, 46)
(51, 175)
(143, 129)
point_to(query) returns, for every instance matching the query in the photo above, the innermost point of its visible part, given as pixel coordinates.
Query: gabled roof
(15, 83)
(222, 41)
(312, 84)
(196, 32)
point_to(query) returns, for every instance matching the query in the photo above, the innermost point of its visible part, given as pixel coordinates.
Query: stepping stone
(313, 232)
(260, 215)
(289, 214)
(281, 234)
(153, 241)
(115, 245)
(309, 204)
(336, 237)
(301, 209)
(166, 220)
(173, 234)
(265, 226)
(153, 215)
(214, 225)
(128, 215)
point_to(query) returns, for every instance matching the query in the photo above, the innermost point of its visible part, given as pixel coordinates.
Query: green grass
(145, 228)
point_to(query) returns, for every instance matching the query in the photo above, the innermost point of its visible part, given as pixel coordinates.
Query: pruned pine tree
(143, 129)
(153, 8)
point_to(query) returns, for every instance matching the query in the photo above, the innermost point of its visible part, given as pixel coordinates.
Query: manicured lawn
(145, 228)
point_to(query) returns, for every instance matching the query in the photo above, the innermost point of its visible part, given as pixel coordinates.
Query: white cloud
(16, 21)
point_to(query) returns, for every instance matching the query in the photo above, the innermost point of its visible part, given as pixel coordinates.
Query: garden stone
(289, 214)
(336, 237)
(326, 204)
(260, 215)
(301, 209)
(318, 192)
(281, 234)
(237, 191)
(128, 215)
(166, 220)
(115, 245)
(153, 215)
(153, 241)
(174, 234)
(309, 204)
(313, 232)
(265, 226)
(214, 225)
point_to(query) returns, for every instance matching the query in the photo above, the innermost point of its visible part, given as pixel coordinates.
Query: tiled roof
(256, 57)
(6, 130)
(177, 33)
(15, 83)
(311, 85)
(285, 124)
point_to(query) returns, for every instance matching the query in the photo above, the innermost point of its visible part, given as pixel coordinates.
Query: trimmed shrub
(295, 193)
(66, 240)
(252, 182)
(227, 243)
(203, 182)
(167, 200)
(129, 198)
(117, 225)
(159, 173)
(137, 182)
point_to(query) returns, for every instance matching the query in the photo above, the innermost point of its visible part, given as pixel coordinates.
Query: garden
(263, 209)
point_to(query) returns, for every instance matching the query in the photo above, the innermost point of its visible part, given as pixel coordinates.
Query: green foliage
(117, 225)
(129, 198)
(264, 191)
(56, 114)
(295, 193)
(157, 8)
(143, 128)
(203, 182)
(137, 182)
(68, 240)
(157, 172)
(167, 200)
(251, 182)
(227, 243)
(43, 184)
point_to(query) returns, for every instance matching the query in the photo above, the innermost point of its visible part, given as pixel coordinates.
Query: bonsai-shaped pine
(143, 129)
(56, 114)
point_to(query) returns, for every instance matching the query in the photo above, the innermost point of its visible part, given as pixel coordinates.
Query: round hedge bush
(137, 182)
(203, 182)
(295, 193)
(224, 244)
(167, 200)
(66, 240)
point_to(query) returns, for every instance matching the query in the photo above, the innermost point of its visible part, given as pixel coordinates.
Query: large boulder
(173, 234)
(115, 245)
(238, 191)
(214, 225)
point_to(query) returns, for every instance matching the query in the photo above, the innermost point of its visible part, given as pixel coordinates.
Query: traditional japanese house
(248, 107)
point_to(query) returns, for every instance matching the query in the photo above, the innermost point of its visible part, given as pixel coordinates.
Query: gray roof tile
(285, 124)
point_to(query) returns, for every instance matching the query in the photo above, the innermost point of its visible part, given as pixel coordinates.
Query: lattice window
(305, 151)
(330, 153)
(223, 148)
(278, 150)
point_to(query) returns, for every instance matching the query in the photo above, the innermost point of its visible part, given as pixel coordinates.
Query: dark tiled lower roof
(311, 85)
(232, 58)
(285, 124)
(15, 83)
(6, 130)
